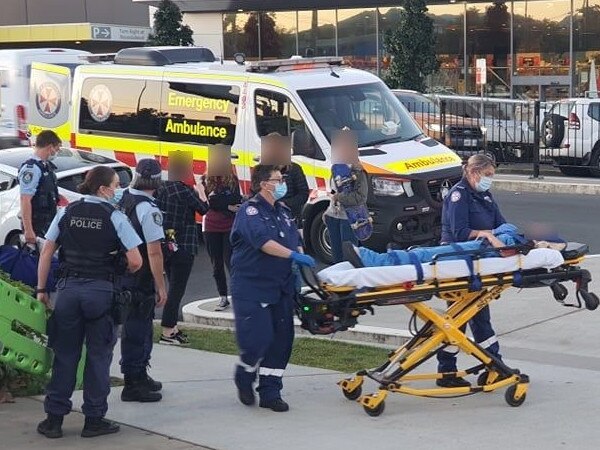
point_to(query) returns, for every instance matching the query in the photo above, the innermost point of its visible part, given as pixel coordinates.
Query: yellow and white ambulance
(152, 101)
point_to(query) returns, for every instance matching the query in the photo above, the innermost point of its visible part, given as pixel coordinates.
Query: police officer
(265, 242)
(470, 212)
(38, 186)
(147, 284)
(96, 243)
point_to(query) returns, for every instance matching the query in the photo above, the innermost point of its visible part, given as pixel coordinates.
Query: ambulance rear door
(50, 100)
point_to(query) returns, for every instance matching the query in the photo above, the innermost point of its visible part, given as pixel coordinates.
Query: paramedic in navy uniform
(38, 187)
(469, 213)
(96, 243)
(265, 242)
(147, 284)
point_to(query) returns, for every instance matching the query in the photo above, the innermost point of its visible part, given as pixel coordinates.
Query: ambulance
(153, 101)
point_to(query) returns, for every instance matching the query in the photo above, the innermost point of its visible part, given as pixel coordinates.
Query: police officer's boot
(153, 385)
(137, 390)
(51, 427)
(98, 426)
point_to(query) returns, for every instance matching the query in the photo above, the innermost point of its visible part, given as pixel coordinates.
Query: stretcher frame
(326, 309)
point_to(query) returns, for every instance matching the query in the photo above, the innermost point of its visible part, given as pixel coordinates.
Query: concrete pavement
(547, 184)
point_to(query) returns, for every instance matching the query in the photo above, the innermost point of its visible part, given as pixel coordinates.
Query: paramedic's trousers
(82, 311)
(483, 334)
(265, 334)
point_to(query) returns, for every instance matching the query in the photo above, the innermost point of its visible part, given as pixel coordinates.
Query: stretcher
(337, 296)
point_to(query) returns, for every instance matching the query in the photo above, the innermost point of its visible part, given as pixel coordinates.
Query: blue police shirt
(125, 231)
(29, 178)
(255, 275)
(465, 210)
(150, 218)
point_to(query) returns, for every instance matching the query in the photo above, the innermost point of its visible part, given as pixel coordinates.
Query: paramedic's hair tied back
(478, 163)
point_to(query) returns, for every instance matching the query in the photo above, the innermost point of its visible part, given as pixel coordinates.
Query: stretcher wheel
(482, 379)
(591, 300)
(560, 292)
(377, 411)
(353, 395)
(509, 396)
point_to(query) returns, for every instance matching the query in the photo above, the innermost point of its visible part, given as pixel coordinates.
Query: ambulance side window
(199, 113)
(275, 113)
(120, 107)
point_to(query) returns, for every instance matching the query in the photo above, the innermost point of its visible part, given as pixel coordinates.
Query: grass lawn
(333, 355)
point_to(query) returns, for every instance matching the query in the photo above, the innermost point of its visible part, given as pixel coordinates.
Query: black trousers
(219, 250)
(178, 271)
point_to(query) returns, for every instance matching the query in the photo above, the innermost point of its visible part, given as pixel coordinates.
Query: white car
(72, 166)
(571, 135)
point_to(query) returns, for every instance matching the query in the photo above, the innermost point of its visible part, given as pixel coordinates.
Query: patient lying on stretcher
(506, 235)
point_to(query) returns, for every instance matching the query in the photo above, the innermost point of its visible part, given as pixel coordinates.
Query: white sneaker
(223, 304)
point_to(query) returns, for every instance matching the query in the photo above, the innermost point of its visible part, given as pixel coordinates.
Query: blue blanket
(21, 264)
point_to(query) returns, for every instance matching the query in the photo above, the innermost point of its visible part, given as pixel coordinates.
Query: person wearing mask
(344, 150)
(224, 200)
(96, 244)
(470, 212)
(147, 285)
(38, 187)
(297, 190)
(265, 242)
(179, 204)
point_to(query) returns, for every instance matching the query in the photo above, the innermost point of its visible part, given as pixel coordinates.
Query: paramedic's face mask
(482, 181)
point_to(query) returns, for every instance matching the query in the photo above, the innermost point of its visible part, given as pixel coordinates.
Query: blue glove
(303, 260)
(505, 228)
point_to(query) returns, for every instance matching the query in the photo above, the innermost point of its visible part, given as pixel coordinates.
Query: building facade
(92, 25)
(535, 49)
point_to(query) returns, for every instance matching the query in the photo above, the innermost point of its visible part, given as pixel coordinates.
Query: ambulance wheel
(509, 396)
(353, 395)
(377, 411)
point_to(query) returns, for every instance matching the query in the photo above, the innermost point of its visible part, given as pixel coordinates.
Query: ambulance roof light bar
(283, 65)
(99, 57)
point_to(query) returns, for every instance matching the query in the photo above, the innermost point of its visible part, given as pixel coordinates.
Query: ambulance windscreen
(370, 110)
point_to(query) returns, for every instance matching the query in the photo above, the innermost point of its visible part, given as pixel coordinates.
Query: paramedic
(96, 244)
(470, 212)
(147, 285)
(38, 187)
(265, 242)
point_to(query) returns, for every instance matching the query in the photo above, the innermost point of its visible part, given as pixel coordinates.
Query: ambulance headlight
(388, 186)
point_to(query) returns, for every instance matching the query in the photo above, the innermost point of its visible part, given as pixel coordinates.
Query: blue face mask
(115, 199)
(280, 191)
(484, 184)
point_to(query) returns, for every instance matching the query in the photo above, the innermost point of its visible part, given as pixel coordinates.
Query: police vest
(45, 199)
(89, 243)
(128, 204)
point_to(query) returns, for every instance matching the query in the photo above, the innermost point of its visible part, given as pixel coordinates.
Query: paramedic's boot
(51, 427)
(137, 389)
(277, 405)
(98, 426)
(452, 382)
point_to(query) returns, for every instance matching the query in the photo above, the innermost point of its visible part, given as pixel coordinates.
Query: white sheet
(344, 273)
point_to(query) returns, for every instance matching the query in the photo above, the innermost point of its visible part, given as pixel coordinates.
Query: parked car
(571, 135)
(72, 166)
(461, 134)
(509, 124)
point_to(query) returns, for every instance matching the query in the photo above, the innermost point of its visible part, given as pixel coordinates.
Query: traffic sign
(480, 71)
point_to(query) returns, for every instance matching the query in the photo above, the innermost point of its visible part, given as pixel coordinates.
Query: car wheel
(13, 239)
(553, 130)
(595, 161)
(319, 240)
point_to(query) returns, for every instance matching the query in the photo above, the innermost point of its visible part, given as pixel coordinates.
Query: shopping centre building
(535, 48)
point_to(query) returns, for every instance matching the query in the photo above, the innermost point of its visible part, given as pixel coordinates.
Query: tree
(168, 29)
(411, 45)
(270, 46)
